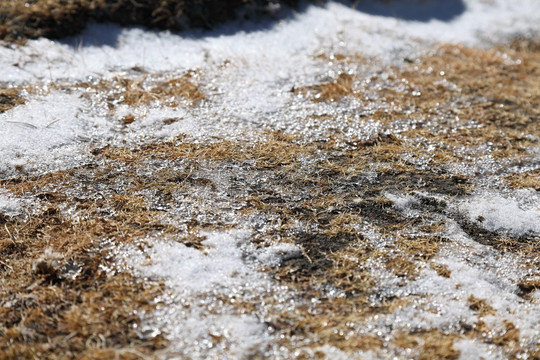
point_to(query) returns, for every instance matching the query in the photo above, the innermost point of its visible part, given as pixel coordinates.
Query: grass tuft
(23, 19)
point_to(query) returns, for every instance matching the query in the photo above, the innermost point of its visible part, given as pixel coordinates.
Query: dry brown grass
(432, 344)
(527, 287)
(22, 19)
(480, 307)
(524, 180)
(329, 91)
(143, 90)
(315, 193)
(10, 98)
(497, 89)
(57, 299)
(441, 269)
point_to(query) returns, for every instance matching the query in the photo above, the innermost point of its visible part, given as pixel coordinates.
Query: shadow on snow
(108, 34)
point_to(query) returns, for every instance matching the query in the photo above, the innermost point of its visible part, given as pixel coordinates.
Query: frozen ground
(227, 297)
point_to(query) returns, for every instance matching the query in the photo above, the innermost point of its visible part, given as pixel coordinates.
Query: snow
(274, 255)
(108, 48)
(472, 350)
(46, 133)
(248, 70)
(227, 269)
(404, 203)
(9, 205)
(12, 205)
(518, 214)
(443, 302)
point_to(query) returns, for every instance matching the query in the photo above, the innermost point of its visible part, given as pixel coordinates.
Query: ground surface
(337, 183)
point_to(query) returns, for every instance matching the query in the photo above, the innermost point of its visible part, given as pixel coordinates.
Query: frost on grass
(389, 204)
(10, 98)
(332, 264)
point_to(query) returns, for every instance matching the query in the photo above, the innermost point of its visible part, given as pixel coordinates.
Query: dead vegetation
(527, 179)
(142, 90)
(329, 91)
(456, 97)
(10, 98)
(57, 300)
(433, 344)
(317, 194)
(22, 19)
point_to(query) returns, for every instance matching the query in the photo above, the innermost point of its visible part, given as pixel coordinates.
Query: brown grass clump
(527, 179)
(527, 287)
(10, 98)
(432, 344)
(142, 90)
(421, 247)
(441, 269)
(22, 19)
(58, 300)
(480, 307)
(330, 91)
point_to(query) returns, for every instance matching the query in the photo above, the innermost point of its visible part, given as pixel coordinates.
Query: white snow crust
(9, 205)
(518, 214)
(195, 311)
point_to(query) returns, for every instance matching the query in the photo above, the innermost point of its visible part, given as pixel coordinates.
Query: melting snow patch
(404, 203)
(475, 271)
(473, 350)
(274, 255)
(9, 205)
(335, 25)
(200, 314)
(47, 131)
(12, 205)
(517, 215)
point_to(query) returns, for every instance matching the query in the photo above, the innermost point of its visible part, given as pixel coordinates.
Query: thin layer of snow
(443, 302)
(103, 49)
(473, 350)
(47, 132)
(13, 205)
(274, 255)
(518, 214)
(404, 203)
(201, 287)
(247, 72)
(9, 205)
